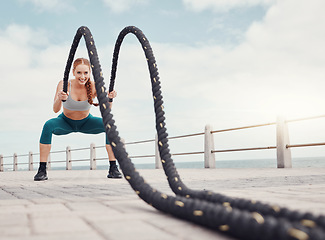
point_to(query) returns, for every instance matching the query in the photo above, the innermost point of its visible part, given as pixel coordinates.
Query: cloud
(222, 5)
(30, 67)
(123, 5)
(50, 5)
(278, 68)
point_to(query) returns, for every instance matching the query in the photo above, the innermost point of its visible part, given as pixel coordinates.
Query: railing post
(1, 163)
(209, 158)
(30, 161)
(158, 164)
(92, 156)
(68, 158)
(15, 163)
(282, 140)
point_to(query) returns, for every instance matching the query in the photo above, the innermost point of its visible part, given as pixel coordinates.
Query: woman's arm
(59, 96)
(112, 94)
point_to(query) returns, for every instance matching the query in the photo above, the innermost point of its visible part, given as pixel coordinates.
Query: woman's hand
(112, 94)
(62, 95)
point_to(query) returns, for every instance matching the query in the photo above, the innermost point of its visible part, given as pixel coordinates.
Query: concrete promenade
(86, 205)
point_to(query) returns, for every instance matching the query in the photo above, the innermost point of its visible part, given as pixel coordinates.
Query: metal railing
(282, 148)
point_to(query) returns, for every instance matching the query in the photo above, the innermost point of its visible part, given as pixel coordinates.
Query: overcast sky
(221, 62)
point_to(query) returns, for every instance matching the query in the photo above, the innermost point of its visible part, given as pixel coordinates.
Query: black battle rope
(238, 218)
(178, 187)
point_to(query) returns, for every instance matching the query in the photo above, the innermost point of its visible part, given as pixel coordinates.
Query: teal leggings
(63, 125)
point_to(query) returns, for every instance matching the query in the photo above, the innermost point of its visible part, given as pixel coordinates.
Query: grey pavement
(86, 205)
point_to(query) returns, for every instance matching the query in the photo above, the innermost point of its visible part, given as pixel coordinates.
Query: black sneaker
(114, 172)
(41, 175)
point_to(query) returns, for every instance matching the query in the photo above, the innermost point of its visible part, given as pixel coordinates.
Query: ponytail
(90, 94)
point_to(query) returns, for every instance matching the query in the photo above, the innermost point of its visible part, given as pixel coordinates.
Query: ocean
(248, 163)
(303, 162)
(307, 162)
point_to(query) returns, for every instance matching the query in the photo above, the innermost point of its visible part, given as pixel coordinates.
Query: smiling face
(81, 73)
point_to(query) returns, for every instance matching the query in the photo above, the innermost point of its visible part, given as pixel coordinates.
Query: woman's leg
(94, 125)
(111, 156)
(56, 126)
(44, 151)
(113, 171)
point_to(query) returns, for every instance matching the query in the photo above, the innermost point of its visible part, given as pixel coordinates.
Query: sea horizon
(300, 162)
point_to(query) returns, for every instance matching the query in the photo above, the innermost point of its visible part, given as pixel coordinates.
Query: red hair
(84, 61)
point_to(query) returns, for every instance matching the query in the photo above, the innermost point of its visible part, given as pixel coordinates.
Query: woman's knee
(46, 136)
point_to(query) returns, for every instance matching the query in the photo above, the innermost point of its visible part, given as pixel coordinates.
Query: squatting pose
(75, 116)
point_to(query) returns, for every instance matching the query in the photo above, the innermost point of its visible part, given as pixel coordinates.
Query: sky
(227, 63)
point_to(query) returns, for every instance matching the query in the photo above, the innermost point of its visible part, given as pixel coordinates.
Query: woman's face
(82, 73)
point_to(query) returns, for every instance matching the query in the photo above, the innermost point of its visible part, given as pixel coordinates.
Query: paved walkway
(87, 205)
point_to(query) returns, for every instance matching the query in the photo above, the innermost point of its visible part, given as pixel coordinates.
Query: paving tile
(13, 219)
(181, 229)
(53, 207)
(132, 228)
(86, 205)
(12, 209)
(60, 236)
(59, 224)
(9, 202)
(14, 231)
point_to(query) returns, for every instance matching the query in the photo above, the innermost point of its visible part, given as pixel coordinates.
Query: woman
(75, 116)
